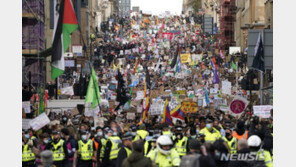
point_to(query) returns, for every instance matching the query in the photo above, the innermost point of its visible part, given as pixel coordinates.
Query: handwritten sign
(189, 107)
(140, 95)
(26, 123)
(39, 122)
(262, 110)
(226, 87)
(26, 106)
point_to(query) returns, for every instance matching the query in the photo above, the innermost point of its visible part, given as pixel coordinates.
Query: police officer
(86, 153)
(181, 142)
(166, 130)
(29, 149)
(111, 149)
(150, 144)
(125, 150)
(211, 134)
(59, 149)
(141, 133)
(164, 155)
(231, 141)
(254, 143)
(100, 143)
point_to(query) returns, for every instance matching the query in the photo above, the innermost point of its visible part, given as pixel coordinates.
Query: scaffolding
(227, 20)
(32, 41)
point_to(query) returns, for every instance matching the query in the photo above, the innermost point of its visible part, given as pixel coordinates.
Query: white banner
(262, 110)
(140, 95)
(39, 122)
(226, 87)
(67, 91)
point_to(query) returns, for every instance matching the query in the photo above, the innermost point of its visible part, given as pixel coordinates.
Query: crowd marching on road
(149, 54)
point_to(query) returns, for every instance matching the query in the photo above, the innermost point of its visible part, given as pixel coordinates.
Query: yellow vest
(85, 150)
(58, 154)
(141, 134)
(104, 141)
(232, 144)
(128, 151)
(27, 154)
(115, 140)
(162, 160)
(211, 137)
(181, 146)
(263, 154)
(146, 145)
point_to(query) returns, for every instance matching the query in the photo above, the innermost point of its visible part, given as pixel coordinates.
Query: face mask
(91, 121)
(209, 126)
(84, 137)
(64, 119)
(100, 133)
(134, 133)
(227, 134)
(106, 136)
(193, 136)
(197, 131)
(115, 134)
(45, 141)
(27, 136)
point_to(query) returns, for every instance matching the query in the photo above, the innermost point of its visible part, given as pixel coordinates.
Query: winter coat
(137, 159)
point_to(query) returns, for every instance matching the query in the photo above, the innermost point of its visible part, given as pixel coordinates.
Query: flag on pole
(207, 96)
(93, 92)
(233, 65)
(177, 113)
(258, 61)
(167, 114)
(146, 109)
(66, 24)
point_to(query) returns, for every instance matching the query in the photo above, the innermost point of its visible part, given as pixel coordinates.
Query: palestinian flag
(66, 24)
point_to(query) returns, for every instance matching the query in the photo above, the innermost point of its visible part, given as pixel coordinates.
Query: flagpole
(236, 77)
(261, 75)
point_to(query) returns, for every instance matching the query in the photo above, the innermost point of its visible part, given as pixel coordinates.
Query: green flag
(93, 92)
(233, 66)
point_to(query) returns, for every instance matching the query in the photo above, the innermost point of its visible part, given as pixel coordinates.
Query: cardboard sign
(67, 91)
(154, 93)
(189, 107)
(262, 110)
(226, 87)
(39, 122)
(185, 58)
(140, 95)
(238, 105)
(130, 116)
(26, 106)
(26, 124)
(74, 111)
(155, 109)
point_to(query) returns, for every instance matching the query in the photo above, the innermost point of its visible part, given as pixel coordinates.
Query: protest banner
(155, 109)
(262, 110)
(26, 106)
(189, 107)
(226, 87)
(238, 105)
(130, 116)
(67, 91)
(39, 122)
(185, 58)
(26, 124)
(140, 95)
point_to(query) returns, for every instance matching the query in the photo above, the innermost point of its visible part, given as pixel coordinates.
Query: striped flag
(66, 24)
(167, 114)
(177, 113)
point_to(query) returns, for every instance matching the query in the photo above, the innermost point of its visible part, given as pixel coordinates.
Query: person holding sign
(29, 149)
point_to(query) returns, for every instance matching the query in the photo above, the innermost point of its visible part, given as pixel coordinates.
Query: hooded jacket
(137, 159)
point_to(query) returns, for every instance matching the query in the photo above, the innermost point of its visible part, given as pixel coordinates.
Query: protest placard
(226, 87)
(140, 95)
(185, 58)
(262, 110)
(213, 91)
(26, 106)
(130, 116)
(26, 124)
(67, 91)
(238, 105)
(189, 107)
(155, 109)
(39, 122)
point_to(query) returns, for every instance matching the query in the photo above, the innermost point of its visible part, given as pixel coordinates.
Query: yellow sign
(59, 91)
(189, 107)
(180, 92)
(185, 58)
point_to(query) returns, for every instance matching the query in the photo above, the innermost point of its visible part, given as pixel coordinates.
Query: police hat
(127, 137)
(55, 132)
